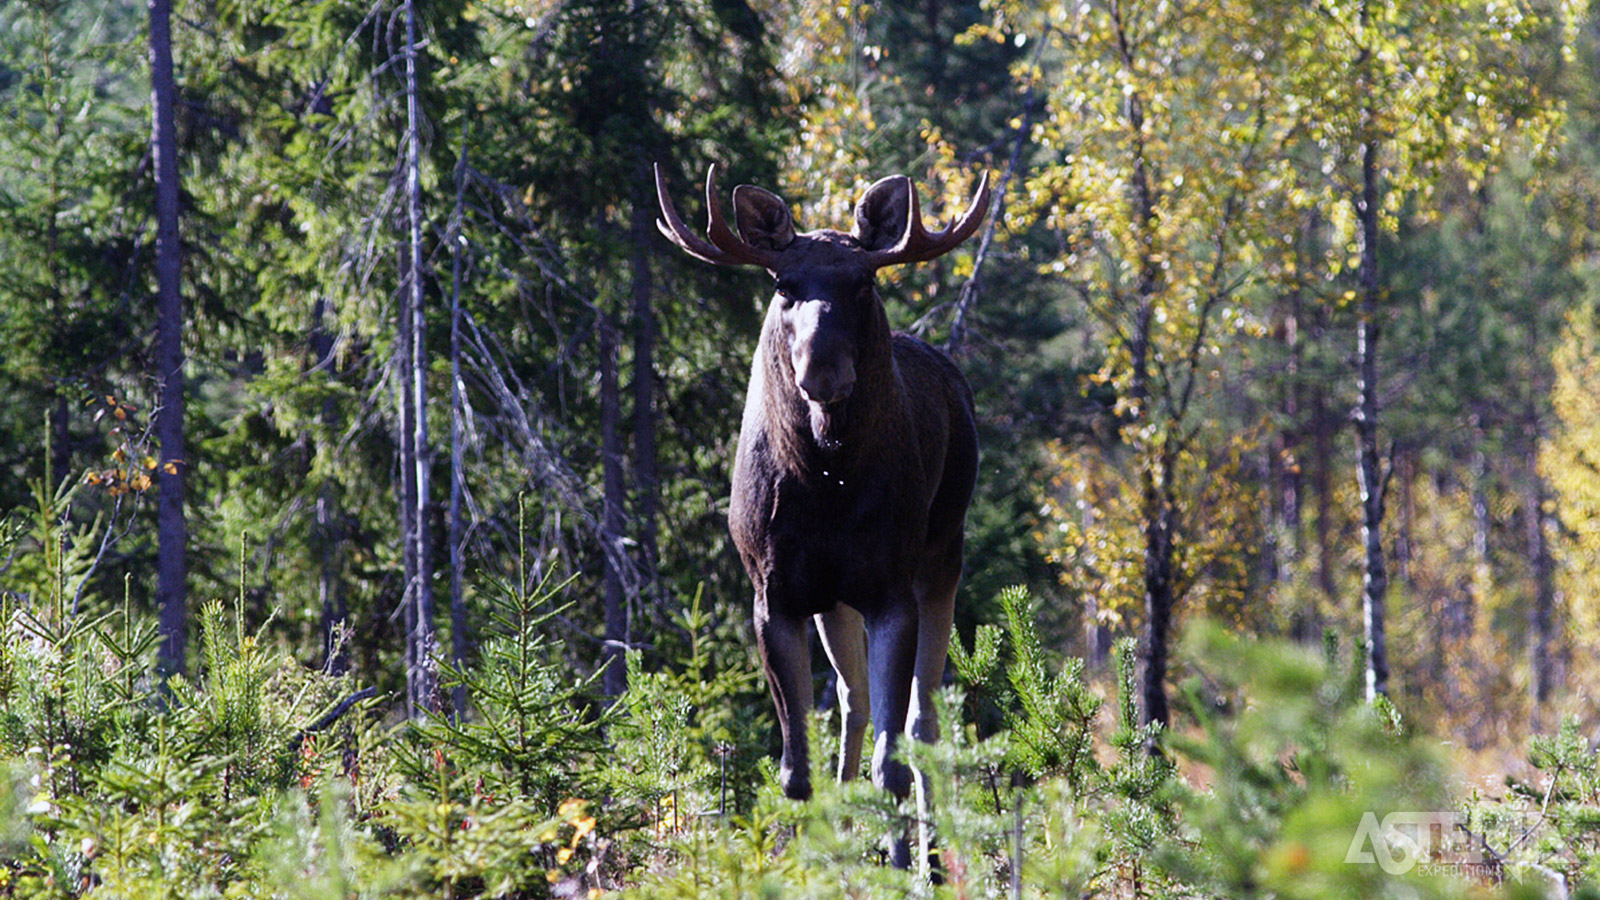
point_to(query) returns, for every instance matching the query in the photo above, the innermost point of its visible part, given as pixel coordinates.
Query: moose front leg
(786, 653)
(891, 661)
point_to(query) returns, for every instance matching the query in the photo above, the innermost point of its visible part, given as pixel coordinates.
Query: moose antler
(917, 245)
(724, 247)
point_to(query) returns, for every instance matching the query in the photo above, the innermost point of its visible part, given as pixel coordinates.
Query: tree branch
(333, 715)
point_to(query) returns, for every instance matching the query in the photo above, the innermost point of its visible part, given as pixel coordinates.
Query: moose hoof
(890, 774)
(796, 785)
(900, 852)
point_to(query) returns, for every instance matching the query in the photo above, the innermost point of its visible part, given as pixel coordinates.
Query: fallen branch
(326, 722)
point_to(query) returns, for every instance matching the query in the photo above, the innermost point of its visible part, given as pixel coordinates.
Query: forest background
(1285, 320)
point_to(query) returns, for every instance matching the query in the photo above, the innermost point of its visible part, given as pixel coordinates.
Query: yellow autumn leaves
(131, 469)
(1569, 458)
(573, 812)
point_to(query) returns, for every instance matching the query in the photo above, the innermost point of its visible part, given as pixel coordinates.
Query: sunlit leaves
(1570, 459)
(1193, 145)
(1161, 199)
(1442, 86)
(130, 467)
(1095, 531)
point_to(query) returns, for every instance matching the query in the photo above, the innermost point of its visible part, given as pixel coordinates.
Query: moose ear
(882, 211)
(762, 217)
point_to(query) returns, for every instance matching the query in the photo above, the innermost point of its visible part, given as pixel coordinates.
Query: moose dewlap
(856, 462)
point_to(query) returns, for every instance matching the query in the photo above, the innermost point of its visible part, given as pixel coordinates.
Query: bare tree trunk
(1096, 636)
(1404, 546)
(1322, 485)
(1542, 664)
(1474, 589)
(420, 636)
(328, 529)
(1440, 609)
(1481, 523)
(172, 529)
(615, 680)
(1373, 481)
(1541, 613)
(335, 608)
(1286, 486)
(1319, 427)
(405, 435)
(1292, 489)
(459, 641)
(644, 344)
(1274, 554)
(1158, 600)
(61, 441)
(1155, 508)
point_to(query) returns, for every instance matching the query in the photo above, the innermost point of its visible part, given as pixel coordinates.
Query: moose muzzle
(827, 384)
(825, 372)
(822, 355)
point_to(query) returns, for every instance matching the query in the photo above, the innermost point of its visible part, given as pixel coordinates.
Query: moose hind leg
(844, 638)
(936, 603)
(936, 612)
(786, 654)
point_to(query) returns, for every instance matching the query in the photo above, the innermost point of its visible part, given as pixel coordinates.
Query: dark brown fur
(857, 459)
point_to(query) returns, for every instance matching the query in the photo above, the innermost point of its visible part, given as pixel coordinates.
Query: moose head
(857, 459)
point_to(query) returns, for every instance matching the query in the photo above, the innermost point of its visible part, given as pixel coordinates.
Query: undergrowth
(260, 777)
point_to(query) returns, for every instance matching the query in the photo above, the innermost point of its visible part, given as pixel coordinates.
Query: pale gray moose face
(824, 319)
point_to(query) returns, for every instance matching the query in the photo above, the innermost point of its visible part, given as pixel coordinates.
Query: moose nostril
(826, 385)
(826, 389)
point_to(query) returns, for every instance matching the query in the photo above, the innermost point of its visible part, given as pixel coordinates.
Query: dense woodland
(364, 451)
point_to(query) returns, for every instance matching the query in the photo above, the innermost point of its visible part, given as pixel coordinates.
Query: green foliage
(314, 849)
(1285, 763)
(240, 784)
(483, 797)
(532, 725)
(1050, 718)
(69, 107)
(70, 682)
(1548, 827)
(1171, 365)
(682, 746)
(1297, 762)
(137, 792)
(229, 702)
(743, 859)
(256, 780)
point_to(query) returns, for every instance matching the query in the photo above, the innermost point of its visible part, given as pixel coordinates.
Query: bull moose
(857, 459)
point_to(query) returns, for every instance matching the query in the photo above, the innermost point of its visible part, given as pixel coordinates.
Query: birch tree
(1395, 99)
(1157, 201)
(415, 450)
